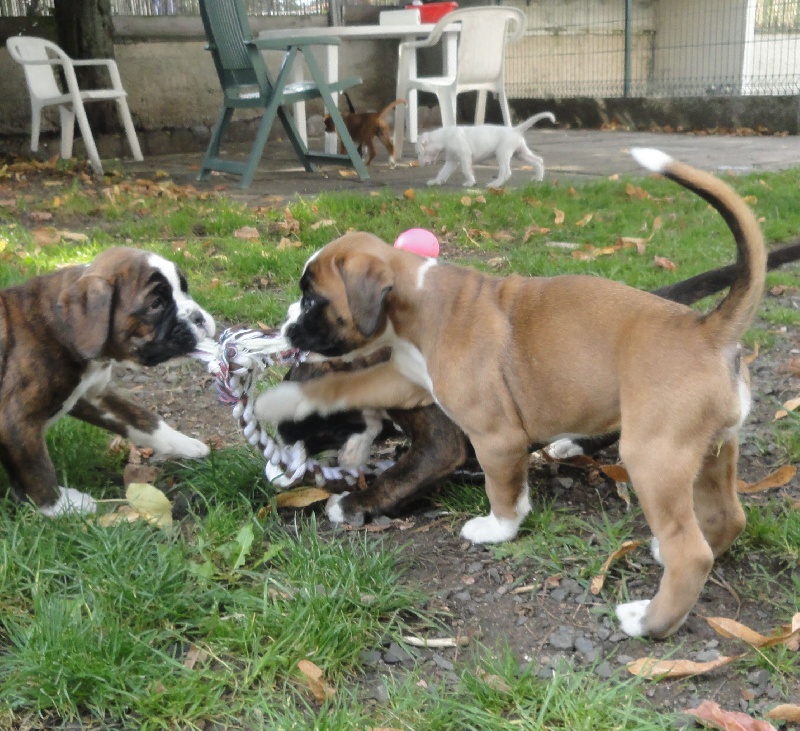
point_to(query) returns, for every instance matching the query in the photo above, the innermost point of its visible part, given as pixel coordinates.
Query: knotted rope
(237, 362)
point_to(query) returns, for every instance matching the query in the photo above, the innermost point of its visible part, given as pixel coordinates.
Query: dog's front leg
(113, 412)
(33, 476)
(504, 459)
(378, 387)
(447, 170)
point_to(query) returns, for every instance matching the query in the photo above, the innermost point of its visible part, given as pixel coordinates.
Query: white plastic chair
(39, 58)
(479, 66)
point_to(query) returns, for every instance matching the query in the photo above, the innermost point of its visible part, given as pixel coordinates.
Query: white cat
(463, 145)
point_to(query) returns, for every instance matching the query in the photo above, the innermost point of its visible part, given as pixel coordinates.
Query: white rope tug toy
(237, 361)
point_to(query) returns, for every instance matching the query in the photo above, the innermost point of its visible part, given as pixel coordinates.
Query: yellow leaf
(324, 222)
(650, 667)
(778, 478)
(347, 173)
(466, 200)
(598, 581)
(409, 193)
(731, 628)
(583, 221)
(152, 504)
(559, 216)
(74, 236)
(301, 497)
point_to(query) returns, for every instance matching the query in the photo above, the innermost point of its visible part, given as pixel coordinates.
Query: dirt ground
(556, 622)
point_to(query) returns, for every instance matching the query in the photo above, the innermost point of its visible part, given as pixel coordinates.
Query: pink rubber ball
(419, 241)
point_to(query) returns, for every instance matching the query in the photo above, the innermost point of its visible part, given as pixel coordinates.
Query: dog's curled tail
(728, 322)
(535, 119)
(390, 106)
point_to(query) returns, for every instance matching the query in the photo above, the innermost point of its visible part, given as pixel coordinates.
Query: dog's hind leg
(504, 459)
(716, 502)
(524, 153)
(437, 448)
(663, 470)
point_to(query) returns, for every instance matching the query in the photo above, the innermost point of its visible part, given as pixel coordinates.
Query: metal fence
(603, 48)
(657, 48)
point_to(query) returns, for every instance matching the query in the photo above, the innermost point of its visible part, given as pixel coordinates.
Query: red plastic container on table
(432, 12)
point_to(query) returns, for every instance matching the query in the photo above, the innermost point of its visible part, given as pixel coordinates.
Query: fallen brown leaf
(711, 713)
(650, 667)
(597, 581)
(731, 628)
(409, 193)
(616, 472)
(559, 216)
(194, 656)
(301, 497)
(664, 263)
(313, 676)
(779, 478)
(139, 473)
(247, 232)
(785, 712)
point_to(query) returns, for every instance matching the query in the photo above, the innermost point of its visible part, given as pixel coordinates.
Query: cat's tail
(388, 108)
(528, 123)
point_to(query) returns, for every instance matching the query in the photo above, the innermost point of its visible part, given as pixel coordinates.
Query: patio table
(399, 33)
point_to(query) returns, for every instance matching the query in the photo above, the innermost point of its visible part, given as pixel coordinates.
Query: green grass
(99, 625)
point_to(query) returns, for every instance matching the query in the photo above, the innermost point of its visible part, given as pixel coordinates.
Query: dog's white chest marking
(409, 362)
(95, 379)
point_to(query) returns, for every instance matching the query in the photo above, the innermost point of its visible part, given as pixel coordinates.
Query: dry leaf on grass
(651, 667)
(324, 222)
(779, 478)
(559, 216)
(145, 502)
(152, 504)
(789, 406)
(664, 263)
(194, 656)
(348, 173)
(731, 628)
(247, 232)
(598, 581)
(616, 472)
(495, 682)
(315, 681)
(711, 713)
(301, 497)
(785, 712)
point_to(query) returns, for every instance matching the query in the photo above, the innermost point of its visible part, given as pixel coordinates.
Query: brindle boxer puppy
(59, 334)
(516, 361)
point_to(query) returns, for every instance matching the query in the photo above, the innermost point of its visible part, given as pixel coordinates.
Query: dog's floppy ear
(83, 314)
(367, 282)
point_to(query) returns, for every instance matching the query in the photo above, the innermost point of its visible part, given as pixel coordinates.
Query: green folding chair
(247, 84)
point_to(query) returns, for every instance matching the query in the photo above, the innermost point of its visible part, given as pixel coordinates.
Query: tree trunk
(85, 31)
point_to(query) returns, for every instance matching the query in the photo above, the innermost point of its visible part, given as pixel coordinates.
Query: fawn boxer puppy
(59, 334)
(437, 447)
(515, 361)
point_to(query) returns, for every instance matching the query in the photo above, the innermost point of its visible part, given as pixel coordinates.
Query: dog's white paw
(655, 549)
(284, 402)
(356, 450)
(563, 449)
(168, 442)
(490, 529)
(333, 510)
(70, 501)
(631, 617)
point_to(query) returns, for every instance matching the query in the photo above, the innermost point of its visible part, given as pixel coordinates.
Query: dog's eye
(157, 304)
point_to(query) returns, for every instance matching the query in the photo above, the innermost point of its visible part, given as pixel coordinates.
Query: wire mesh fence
(602, 48)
